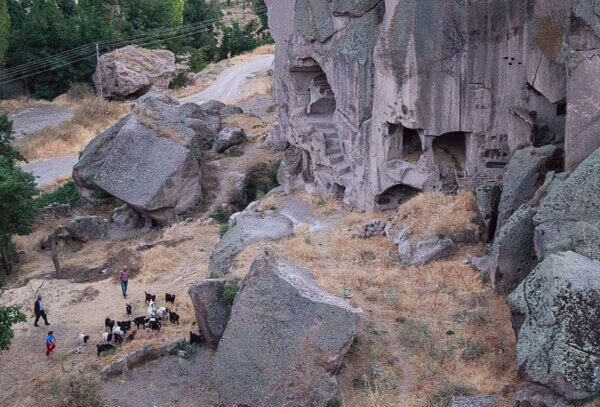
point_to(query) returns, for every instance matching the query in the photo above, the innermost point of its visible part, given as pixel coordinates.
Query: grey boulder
(555, 313)
(212, 313)
(132, 71)
(524, 174)
(431, 248)
(534, 395)
(513, 255)
(569, 214)
(285, 340)
(248, 228)
(88, 228)
(473, 401)
(228, 137)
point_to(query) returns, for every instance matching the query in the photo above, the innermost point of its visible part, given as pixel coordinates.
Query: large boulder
(285, 340)
(132, 71)
(555, 313)
(150, 159)
(211, 309)
(473, 401)
(524, 174)
(569, 214)
(244, 230)
(534, 395)
(426, 250)
(88, 228)
(513, 255)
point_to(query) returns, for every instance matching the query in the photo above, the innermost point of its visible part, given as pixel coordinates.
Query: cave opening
(404, 144)
(394, 196)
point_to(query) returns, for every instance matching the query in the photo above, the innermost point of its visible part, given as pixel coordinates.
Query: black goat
(104, 347)
(154, 324)
(128, 309)
(109, 323)
(118, 339)
(124, 325)
(170, 298)
(150, 297)
(174, 317)
(196, 338)
(140, 321)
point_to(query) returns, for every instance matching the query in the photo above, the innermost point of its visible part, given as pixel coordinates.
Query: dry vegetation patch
(91, 116)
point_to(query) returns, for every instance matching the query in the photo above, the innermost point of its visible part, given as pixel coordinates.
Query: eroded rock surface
(379, 100)
(285, 340)
(555, 313)
(211, 310)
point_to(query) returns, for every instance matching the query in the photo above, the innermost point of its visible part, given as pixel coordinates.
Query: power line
(106, 44)
(93, 55)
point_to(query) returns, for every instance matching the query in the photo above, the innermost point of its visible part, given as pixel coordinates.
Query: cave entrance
(394, 196)
(450, 153)
(404, 144)
(338, 191)
(315, 95)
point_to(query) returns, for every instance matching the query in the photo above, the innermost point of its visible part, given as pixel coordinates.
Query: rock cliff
(381, 99)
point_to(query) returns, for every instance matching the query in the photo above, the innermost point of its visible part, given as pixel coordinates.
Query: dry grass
(260, 85)
(91, 116)
(421, 325)
(430, 213)
(18, 103)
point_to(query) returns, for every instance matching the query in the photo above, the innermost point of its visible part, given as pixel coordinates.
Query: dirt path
(39, 116)
(46, 172)
(229, 86)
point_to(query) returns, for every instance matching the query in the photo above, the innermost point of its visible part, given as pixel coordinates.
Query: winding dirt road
(227, 88)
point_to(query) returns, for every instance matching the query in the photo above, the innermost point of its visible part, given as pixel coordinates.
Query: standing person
(124, 278)
(40, 311)
(50, 343)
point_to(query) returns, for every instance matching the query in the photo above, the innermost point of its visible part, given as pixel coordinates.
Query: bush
(227, 293)
(178, 80)
(262, 178)
(190, 349)
(65, 194)
(471, 350)
(442, 397)
(198, 60)
(220, 216)
(80, 91)
(223, 229)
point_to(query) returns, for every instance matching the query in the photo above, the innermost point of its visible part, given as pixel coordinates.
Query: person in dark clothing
(40, 311)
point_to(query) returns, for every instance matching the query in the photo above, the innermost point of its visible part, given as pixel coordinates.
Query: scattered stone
(230, 110)
(555, 313)
(246, 229)
(433, 248)
(126, 217)
(88, 228)
(513, 255)
(228, 137)
(132, 71)
(371, 229)
(488, 198)
(285, 340)
(212, 312)
(482, 264)
(57, 209)
(533, 395)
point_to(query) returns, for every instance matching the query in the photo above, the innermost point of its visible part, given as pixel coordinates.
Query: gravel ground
(48, 171)
(33, 118)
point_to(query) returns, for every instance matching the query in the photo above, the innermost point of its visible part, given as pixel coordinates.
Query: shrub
(220, 216)
(190, 349)
(65, 194)
(178, 80)
(471, 350)
(227, 293)
(442, 397)
(262, 177)
(223, 229)
(198, 60)
(80, 91)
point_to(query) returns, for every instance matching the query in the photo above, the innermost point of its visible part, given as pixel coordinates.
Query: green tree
(6, 137)
(17, 209)
(238, 39)
(200, 12)
(4, 30)
(8, 317)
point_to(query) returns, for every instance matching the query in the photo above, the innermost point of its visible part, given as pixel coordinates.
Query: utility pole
(97, 69)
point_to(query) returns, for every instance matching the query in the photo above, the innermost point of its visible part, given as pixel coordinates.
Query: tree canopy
(8, 317)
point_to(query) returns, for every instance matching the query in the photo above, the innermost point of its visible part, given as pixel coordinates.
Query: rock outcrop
(88, 228)
(244, 230)
(228, 137)
(211, 310)
(285, 340)
(150, 159)
(132, 71)
(379, 100)
(488, 199)
(555, 313)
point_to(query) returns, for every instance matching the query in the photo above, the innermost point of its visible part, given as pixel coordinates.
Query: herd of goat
(117, 331)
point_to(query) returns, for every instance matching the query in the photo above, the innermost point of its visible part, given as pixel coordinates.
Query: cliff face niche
(382, 99)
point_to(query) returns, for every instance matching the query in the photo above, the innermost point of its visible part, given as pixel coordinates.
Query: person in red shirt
(124, 278)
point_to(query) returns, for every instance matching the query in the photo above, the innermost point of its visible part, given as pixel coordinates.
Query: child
(50, 343)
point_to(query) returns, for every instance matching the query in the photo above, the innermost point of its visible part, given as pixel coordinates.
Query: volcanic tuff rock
(379, 99)
(285, 340)
(150, 158)
(132, 71)
(555, 313)
(212, 313)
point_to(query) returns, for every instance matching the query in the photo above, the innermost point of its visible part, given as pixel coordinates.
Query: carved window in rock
(394, 196)
(322, 98)
(404, 144)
